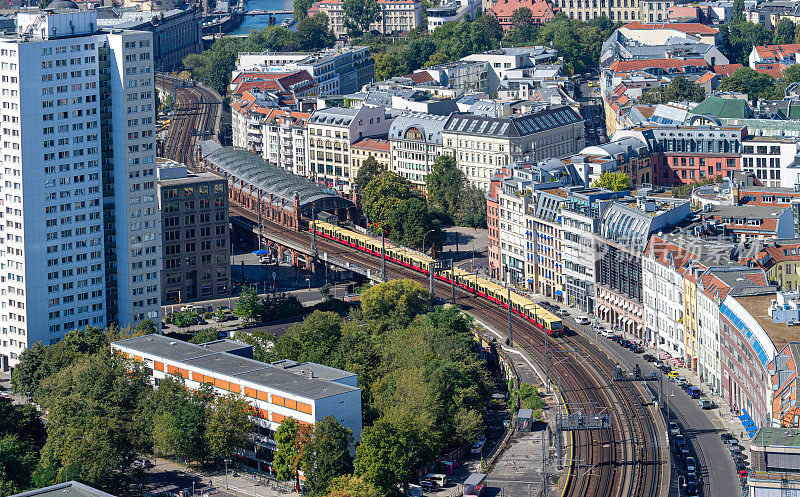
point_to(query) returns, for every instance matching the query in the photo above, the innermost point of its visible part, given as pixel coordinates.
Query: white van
(439, 478)
(582, 320)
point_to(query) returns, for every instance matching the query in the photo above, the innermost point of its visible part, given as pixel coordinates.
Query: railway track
(622, 460)
(195, 111)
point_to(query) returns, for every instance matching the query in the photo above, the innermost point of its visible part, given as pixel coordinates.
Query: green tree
(22, 435)
(262, 342)
(678, 90)
(96, 420)
(387, 455)
(228, 424)
(351, 486)
(220, 314)
(747, 80)
(205, 335)
(312, 340)
(369, 170)
(301, 9)
(397, 301)
(445, 184)
(614, 181)
(524, 28)
(383, 195)
(287, 453)
(390, 64)
(179, 423)
(738, 10)
(279, 306)
(472, 207)
(784, 31)
(146, 327)
(359, 15)
(313, 33)
(792, 73)
(327, 455)
(248, 305)
(738, 38)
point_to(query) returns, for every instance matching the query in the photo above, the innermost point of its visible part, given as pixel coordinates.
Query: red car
(743, 474)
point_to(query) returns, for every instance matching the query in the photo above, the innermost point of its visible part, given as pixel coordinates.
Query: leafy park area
(424, 390)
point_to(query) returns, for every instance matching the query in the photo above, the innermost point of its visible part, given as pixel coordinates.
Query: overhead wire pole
(383, 256)
(510, 330)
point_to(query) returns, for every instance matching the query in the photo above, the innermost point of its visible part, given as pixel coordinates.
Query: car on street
(679, 440)
(743, 474)
(429, 486)
(637, 349)
(477, 447)
(741, 466)
(727, 437)
(691, 465)
(673, 428)
(625, 343)
(649, 358)
(684, 453)
(682, 382)
(672, 374)
(691, 477)
(705, 404)
(691, 489)
(694, 392)
(563, 313)
(582, 320)
(665, 368)
(606, 333)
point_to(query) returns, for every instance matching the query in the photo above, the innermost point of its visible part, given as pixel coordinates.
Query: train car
(536, 314)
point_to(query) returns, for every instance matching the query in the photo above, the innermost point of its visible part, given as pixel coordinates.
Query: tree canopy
(738, 38)
(614, 181)
(359, 16)
(678, 90)
(756, 85)
(450, 192)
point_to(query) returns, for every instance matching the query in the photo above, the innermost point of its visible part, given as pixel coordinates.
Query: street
(701, 428)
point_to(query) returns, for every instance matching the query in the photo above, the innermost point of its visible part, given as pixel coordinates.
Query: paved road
(701, 430)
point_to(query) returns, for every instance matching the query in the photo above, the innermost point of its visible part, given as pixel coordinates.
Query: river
(260, 22)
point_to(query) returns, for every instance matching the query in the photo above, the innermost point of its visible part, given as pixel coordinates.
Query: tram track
(622, 460)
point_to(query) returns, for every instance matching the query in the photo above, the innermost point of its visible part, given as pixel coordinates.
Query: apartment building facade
(396, 15)
(195, 234)
(337, 71)
(772, 160)
(284, 137)
(79, 104)
(616, 10)
(331, 133)
(544, 272)
(306, 392)
(416, 141)
(483, 145)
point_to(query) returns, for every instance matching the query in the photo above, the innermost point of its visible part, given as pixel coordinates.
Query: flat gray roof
(66, 489)
(224, 345)
(294, 379)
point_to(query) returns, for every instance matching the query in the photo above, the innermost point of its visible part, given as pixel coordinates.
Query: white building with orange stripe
(307, 392)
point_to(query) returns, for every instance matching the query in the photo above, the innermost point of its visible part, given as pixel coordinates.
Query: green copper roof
(723, 108)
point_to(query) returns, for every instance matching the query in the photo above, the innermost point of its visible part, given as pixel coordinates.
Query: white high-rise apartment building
(80, 239)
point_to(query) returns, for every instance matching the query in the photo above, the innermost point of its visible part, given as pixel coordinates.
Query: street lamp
(226, 473)
(423, 238)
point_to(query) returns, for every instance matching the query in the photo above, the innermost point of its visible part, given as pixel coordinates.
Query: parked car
(683, 382)
(691, 477)
(673, 428)
(637, 349)
(582, 320)
(691, 489)
(625, 343)
(727, 437)
(691, 465)
(606, 333)
(649, 358)
(684, 453)
(429, 486)
(437, 478)
(679, 440)
(672, 374)
(742, 474)
(741, 466)
(665, 368)
(694, 392)
(705, 404)
(477, 447)
(563, 313)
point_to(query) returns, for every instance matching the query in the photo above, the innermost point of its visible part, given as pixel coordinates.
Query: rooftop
(66, 489)
(781, 437)
(298, 379)
(757, 306)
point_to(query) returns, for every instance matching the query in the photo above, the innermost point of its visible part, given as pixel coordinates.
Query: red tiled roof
(634, 65)
(541, 10)
(705, 78)
(726, 69)
(711, 283)
(773, 69)
(684, 27)
(270, 81)
(777, 51)
(376, 144)
(420, 77)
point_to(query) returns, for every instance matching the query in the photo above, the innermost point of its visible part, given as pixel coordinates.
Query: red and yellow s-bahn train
(531, 311)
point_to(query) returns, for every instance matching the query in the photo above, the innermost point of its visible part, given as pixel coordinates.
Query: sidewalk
(234, 483)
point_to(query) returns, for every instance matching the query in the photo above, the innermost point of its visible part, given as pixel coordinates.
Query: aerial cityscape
(400, 248)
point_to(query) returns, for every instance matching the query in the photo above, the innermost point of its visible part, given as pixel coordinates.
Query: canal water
(260, 22)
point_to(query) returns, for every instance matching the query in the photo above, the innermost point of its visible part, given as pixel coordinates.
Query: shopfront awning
(559, 293)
